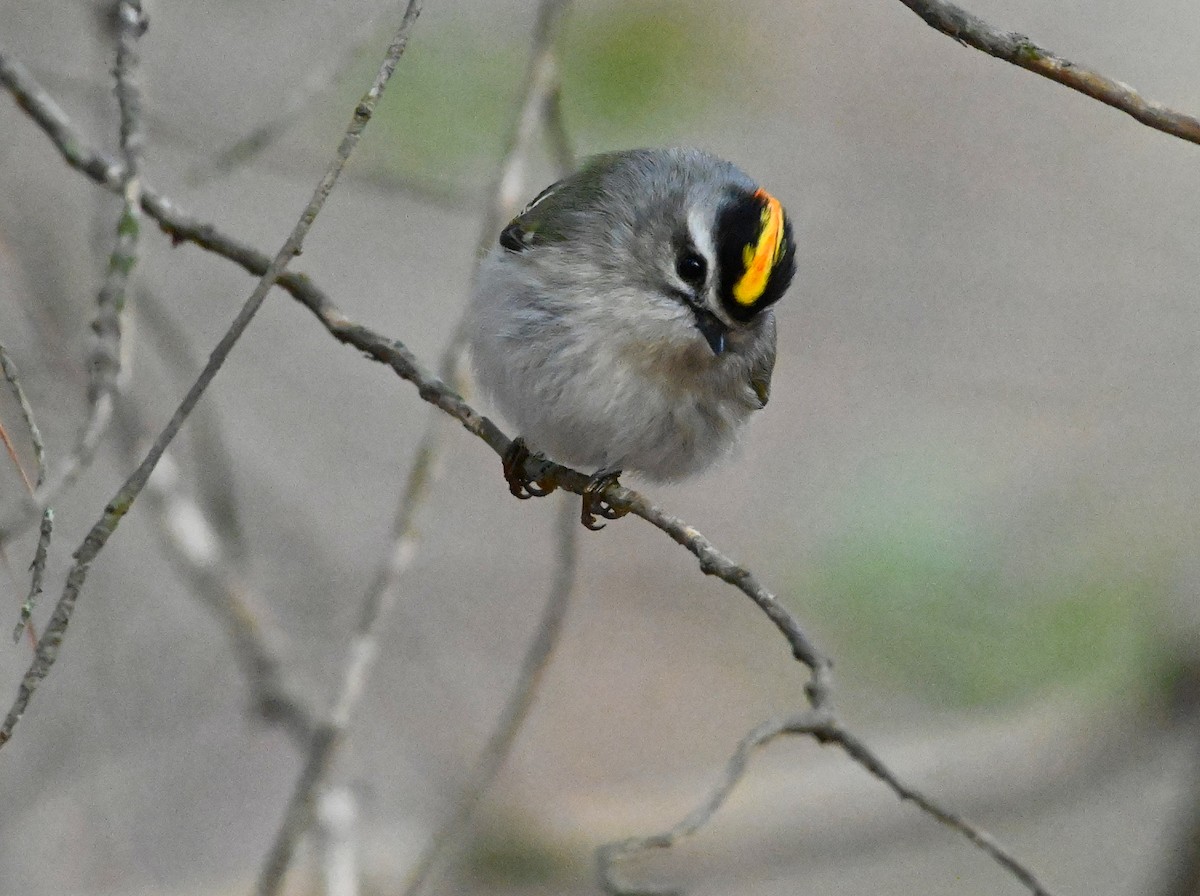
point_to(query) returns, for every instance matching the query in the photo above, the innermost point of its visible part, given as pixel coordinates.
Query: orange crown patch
(759, 259)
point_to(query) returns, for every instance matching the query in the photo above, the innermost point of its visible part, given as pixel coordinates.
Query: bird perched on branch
(623, 320)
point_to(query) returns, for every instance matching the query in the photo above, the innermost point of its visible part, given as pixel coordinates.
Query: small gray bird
(623, 321)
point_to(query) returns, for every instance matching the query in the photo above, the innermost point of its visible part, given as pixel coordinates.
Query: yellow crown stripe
(760, 258)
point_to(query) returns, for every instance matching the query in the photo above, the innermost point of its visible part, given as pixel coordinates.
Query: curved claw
(513, 463)
(594, 504)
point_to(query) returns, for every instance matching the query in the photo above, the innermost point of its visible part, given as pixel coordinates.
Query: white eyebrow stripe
(700, 231)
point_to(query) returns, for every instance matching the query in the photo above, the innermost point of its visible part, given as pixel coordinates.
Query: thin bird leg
(594, 504)
(514, 473)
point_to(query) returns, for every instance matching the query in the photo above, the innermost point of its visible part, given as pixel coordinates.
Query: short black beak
(711, 329)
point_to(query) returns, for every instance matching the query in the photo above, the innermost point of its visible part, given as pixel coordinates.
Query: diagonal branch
(520, 700)
(213, 464)
(320, 75)
(46, 530)
(116, 509)
(858, 751)
(199, 550)
(1018, 49)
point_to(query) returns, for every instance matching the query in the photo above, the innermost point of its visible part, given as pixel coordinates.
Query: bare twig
(320, 76)
(103, 529)
(197, 549)
(105, 361)
(521, 698)
(11, 450)
(825, 729)
(833, 732)
(610, 854)
(216, 483)
(380, 598)
(46, 530)
(538, 94)
(1018, 49)
(435, 391)
(540, 106)
(49, 116)
(336, 826)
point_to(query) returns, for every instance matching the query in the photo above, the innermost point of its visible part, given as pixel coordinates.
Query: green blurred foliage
(515, 854)
(633, 74)
(919, 594)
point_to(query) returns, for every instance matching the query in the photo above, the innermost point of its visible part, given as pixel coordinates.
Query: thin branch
(46, 529)
(540, 85)
(520, 701)
(197, 549)
(105, 360)
(556, 129)
(825, 729)
(337, 841)
(610, 854)
(1018, 49)
(49, 116)
(11, 450)
(714, 563)
(103, 529)
(381, 596)
(540, 106)
(833, 732)
(319, 77)
(214, 467)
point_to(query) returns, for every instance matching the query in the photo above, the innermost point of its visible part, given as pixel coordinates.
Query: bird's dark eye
(691, 268)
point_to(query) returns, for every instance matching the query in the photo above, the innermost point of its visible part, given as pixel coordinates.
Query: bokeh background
(976, 482)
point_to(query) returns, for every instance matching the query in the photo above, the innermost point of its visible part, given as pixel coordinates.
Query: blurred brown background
(975, 483)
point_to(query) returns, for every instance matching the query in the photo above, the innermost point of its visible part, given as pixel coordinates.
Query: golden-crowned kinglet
(623, 320)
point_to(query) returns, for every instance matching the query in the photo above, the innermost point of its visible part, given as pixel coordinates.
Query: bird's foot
(594, 504)
(514, 463)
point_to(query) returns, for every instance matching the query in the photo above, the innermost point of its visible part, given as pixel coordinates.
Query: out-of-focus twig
(520, 700)
(825, 729)
(103, 529)
(381, 596)
(46, 530)
(539, 104)
(198, 550)
(1018, 49)
(105, 362)
(214, 468)
(321, 74)
(337, 841)
(11, 450)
